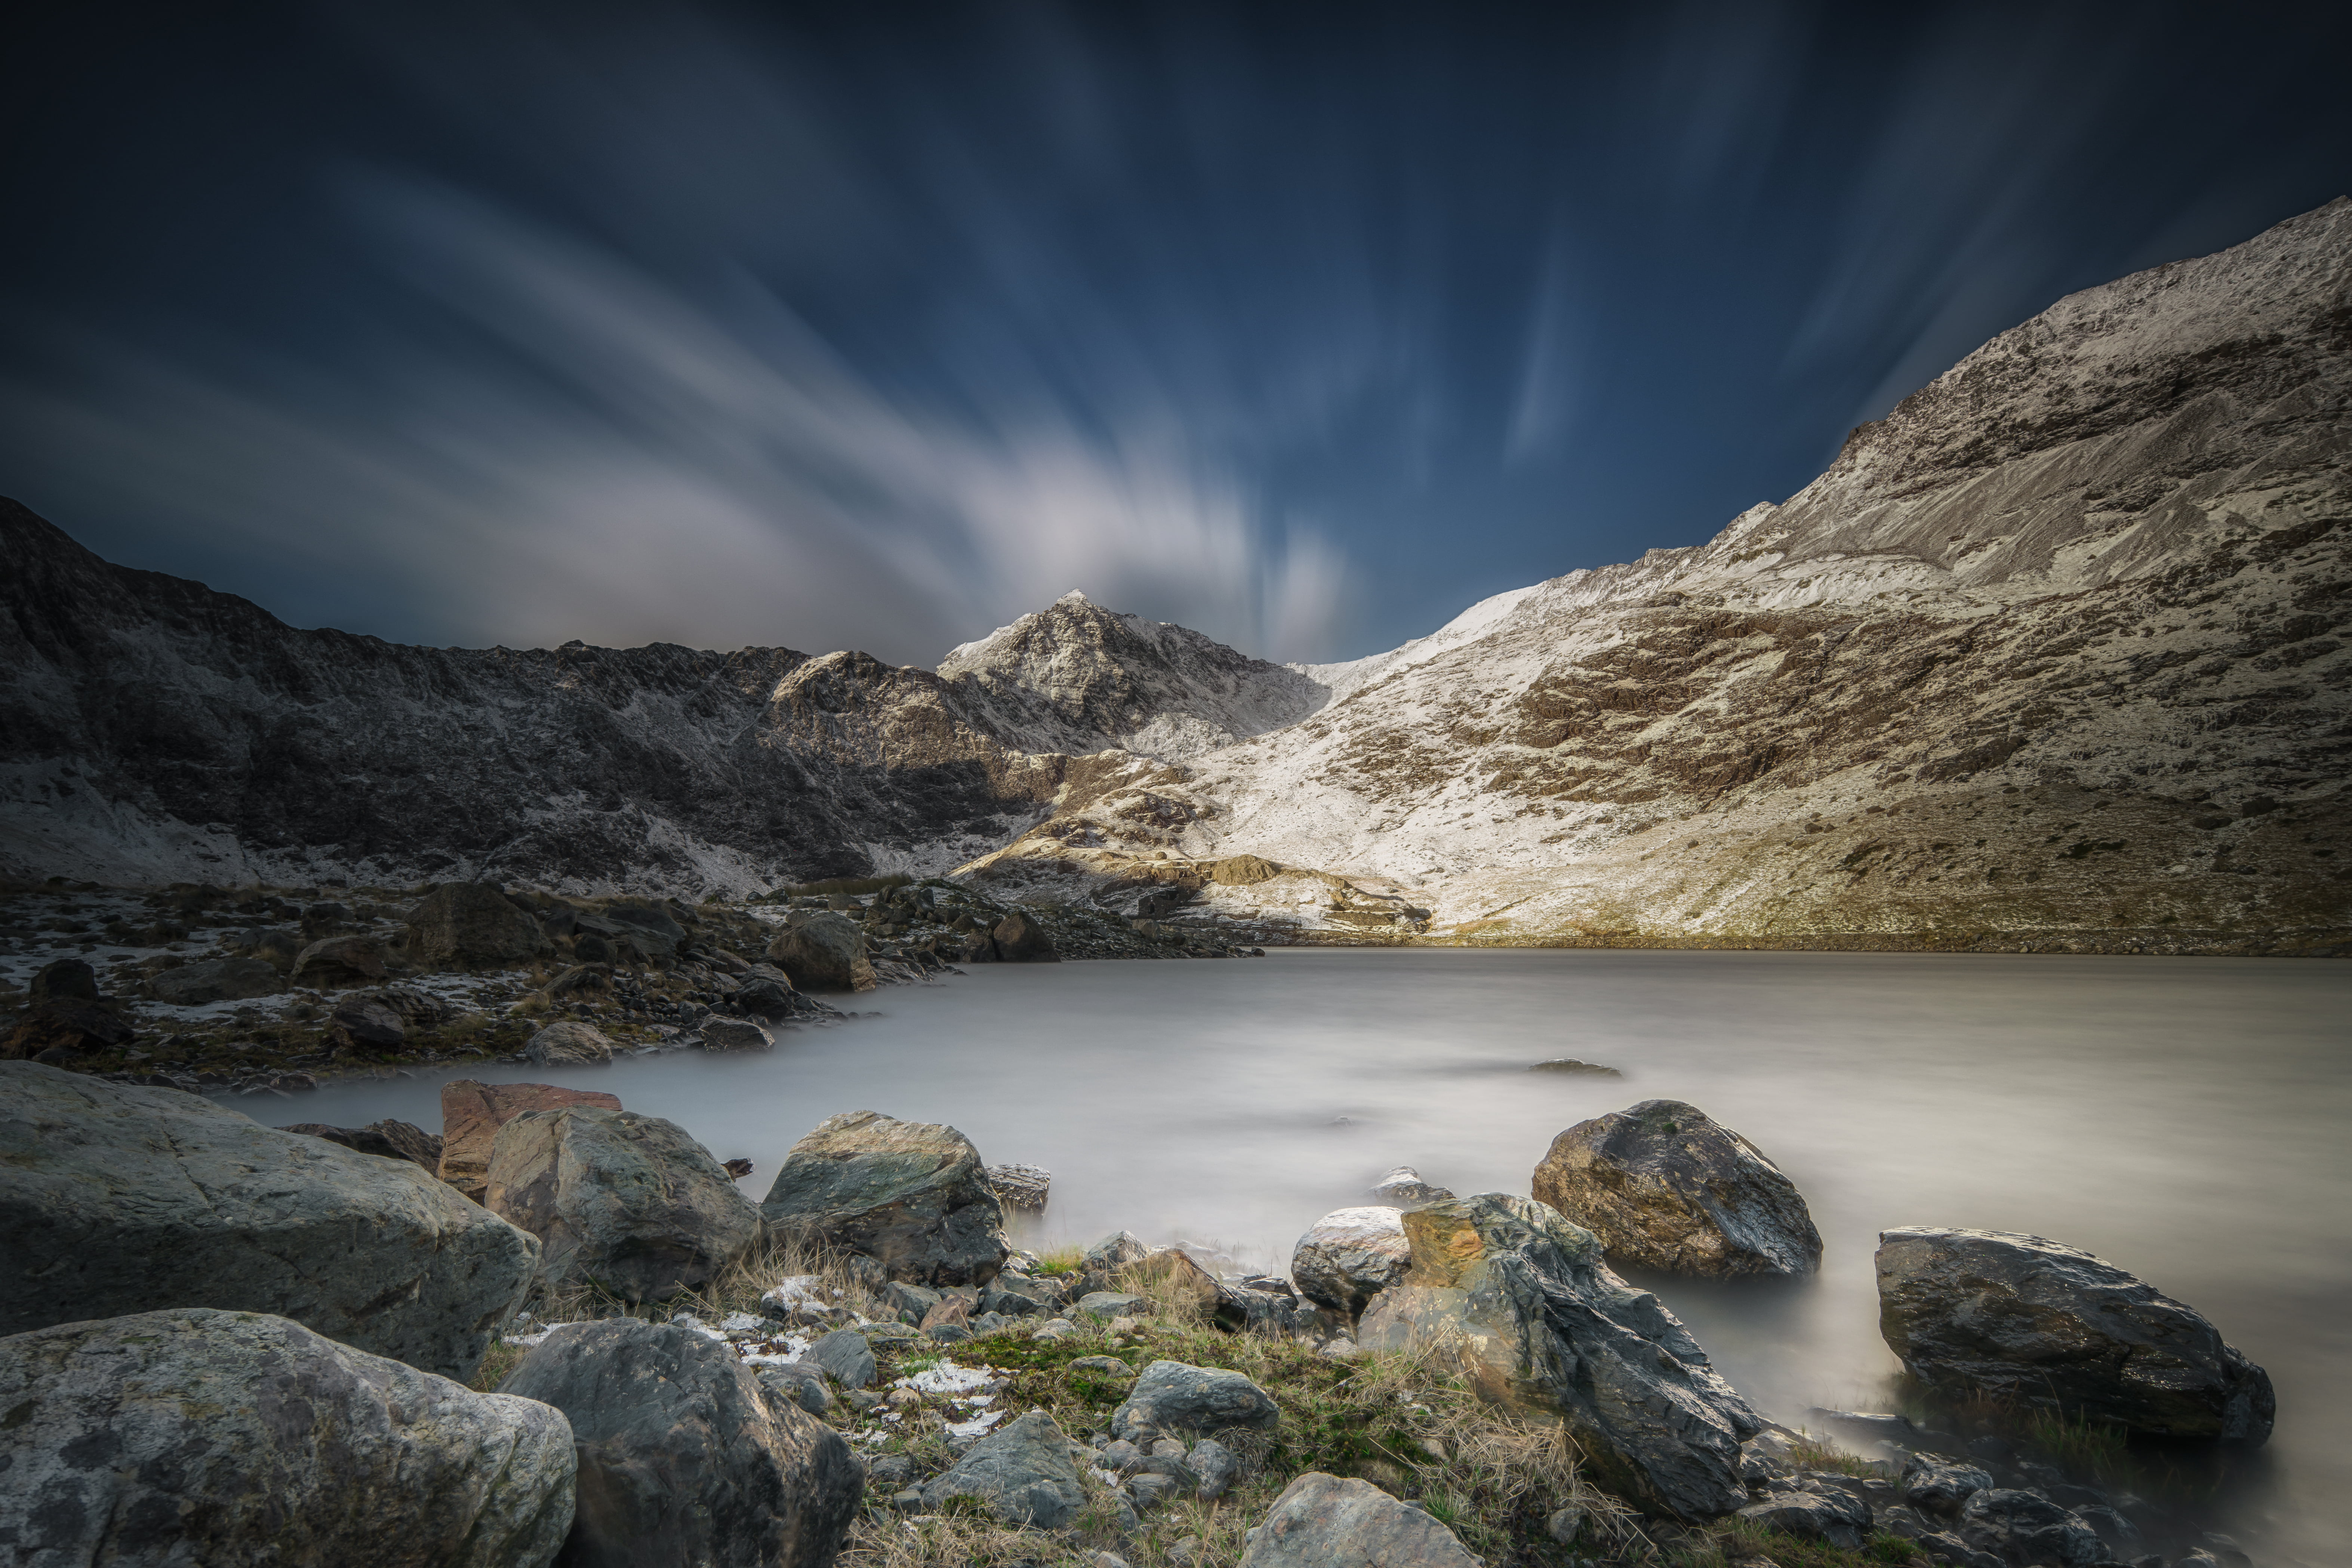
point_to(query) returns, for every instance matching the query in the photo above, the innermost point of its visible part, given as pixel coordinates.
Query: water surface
(2184, 1119)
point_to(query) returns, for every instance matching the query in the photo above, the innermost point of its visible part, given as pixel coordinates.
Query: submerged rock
(122, 1200)
(191, 1436)
(1665, 1187)
(1351, 1255)
(2053, 1327)
(472, 1113)
(1321, 1521)
(910, 1197)
(827, 951)
(1519, 1300)
(1403, 1188)
(1022, 1472)
(685, 1460)
(627, 1203)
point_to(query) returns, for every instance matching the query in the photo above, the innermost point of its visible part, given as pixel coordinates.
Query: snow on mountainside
(2053, 653)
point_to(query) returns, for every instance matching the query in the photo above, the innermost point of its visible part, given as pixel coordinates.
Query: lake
(2185, 1119)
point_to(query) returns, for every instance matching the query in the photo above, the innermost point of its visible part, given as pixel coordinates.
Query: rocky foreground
(556, 1330)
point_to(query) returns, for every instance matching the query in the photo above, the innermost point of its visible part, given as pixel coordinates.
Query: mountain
(2052, 654)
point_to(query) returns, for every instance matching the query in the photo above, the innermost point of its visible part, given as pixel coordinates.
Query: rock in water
(1520, 1301)
(1021, 939)
(385, 1139)
(1403, 1188)
(569, 1045)
(473, 925)
(1351, 1255)
(684, 1460)
(1172, 1397)
(1665, 1187)
(724, 1034)
(1320, 1521)
(1022, 1188)
(191, 1436)
(825, 952)
(2053, 1327)
(911, 1198)
(1022, 1472)
(765, 991)
(123, 1200)
(625, 1202)
(472, 1113)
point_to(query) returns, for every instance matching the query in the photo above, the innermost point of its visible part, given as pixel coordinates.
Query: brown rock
(472, 1113)
(1021, 939)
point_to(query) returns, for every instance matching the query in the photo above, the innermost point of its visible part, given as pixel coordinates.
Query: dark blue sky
(877, 325)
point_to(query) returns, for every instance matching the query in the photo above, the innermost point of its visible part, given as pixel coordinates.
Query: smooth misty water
(2185, 1119)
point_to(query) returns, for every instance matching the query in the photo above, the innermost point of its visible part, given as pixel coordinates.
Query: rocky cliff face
(2053, 653)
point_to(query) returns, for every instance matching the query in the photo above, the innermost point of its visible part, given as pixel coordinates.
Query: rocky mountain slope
(2054, 654)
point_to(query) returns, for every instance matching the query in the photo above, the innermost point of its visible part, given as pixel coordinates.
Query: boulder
(626, 1203)
(654, 927)
(1403, 1188)
(766, 992)
(1937, 1485)
(193, 1435)
(1174, 1279)
(472, 1113)
(684, 1460)
(910, 1198)
(1102, 1266)
(77, 1029)
(1320, 1520)
(1019, 939)
(124, 1200)
(63, 980)
(1665, 1187)
(2026, 1527)
(1014, 1294)
(2052, 1327)
(385, 1139)
(472, 925)
(1351, 1255)
(1171, 1397)
(1518, 1300)
(1830, 1515)
(1108, 1304)
(216, 980)
(1024, 1189)
(1020, 1472)
(362, 1022)
(721, 1033)
(846, 1354)
(337, 961)
(827, 951)
(568, 1044)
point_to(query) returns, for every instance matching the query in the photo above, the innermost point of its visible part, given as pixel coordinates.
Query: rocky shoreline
(556, 1330)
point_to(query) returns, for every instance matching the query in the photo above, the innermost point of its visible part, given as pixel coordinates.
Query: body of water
(2184, 1119)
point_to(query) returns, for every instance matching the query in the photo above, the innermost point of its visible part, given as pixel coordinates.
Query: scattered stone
(338, 963)
(192, 1435)
(1216, 1465)
(568, 1045)
(363, 1022)
(122, 1200)
(1519, 1300)
(473, 925)
(216, 980)
(721, 1033)
(1565, 1524)
(582, 981)
(1173, 1397)
(1020, 1188)
(385, 1139)
(683, 1459)
(1018, 1294)
(1351, 1255)
(1019, 939)
(827, 951)
(799, 1383)
(1665, 1187)
(2025, 1526)
(1022, 1472)
(2053, 1327)
(908, 1197)
(766, 992)
(1320, 1519)
(1934, 1484)
(1403, 1188)
(623, 1202)
(1108, 1304)
(1828, 1515)
(472, 1113)
(847, 1356)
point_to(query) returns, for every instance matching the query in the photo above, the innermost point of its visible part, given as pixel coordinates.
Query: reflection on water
(2184, 1119)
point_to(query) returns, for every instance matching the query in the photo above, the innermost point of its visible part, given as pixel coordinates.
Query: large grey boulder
(625, 1202)
(685, 1462)
(123, 1200)
(1320, 1521)
(473, 925)
(191, 1436)
(2050, 1326)
(827, 951)
(1022, 1472)
(847, 1356)
(1665, 1187)
(1518, 1300)
(1171, 1397)
(1351, 1255)
(910, 1198)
